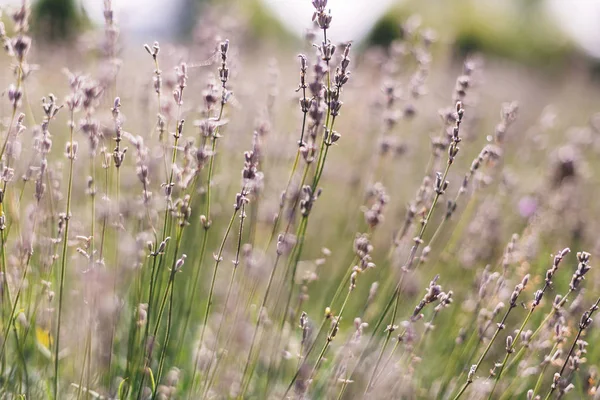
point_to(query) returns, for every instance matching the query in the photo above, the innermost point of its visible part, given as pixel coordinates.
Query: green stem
(407, 267)
(292, 173)
(329, 338)
(282, 203)
(343, 283)
(85, 356)
(170, 287)
(146, 359)
(63, 266)
(218, 259)
(582, 327)
(521, 351)
(229, 288)
(258, 320)
(510, 350)
(487, 349)
(541, 375)
(200, 260)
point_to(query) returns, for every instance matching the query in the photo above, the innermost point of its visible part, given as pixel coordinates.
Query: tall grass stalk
(236, 262)
(440, 187)
(206, 218)
(501, 325)
(584, 323)
(63, 265)
(218, 258)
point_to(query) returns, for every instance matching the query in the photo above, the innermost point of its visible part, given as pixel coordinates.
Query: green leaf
(122, 388)
(152, 379)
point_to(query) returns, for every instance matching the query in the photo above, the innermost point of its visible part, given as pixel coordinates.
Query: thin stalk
(541, 375)
(389, 358)
(167, 220)
(510, 350)
(116, 249)
(413, 350)
(325, 145)
(461, 190)
(236, 262)
(291, 268)
(105, 217)
(171, 289)
(538, 297)
(407, 267)
(288, 227)
(63, 266)
(207, 225)
(292, 173)
(266, 295)
(154, 278)
(93, 211)
(375, 329)
(132, 353)
(475, 367)
(302, 228)
(301, 233)
(523, 348)
(302, 360)
(88, 347)
(586, 320)
(19, 290)
(85, 357)
(14, 110)
(154, 256)
(13, 310)
(320, 165)
(4, 234)
(451, 360)
(323, 150)
(258, 318)
(423, 338)
(238, 308)
(24, 364)
(284, 196)
(330, 337)
(554, 385)
(157, 73)
(4, 284)
(218, 259)
(264, 301)
(163, 304)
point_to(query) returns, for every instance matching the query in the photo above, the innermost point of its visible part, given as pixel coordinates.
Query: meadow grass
(171, 226)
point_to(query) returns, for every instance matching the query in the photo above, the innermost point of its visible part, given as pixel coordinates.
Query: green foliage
(58, 19)
(263, 26)
(515, 30)
(385, 31)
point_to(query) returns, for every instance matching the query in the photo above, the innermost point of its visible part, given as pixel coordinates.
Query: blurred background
(535, 31)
